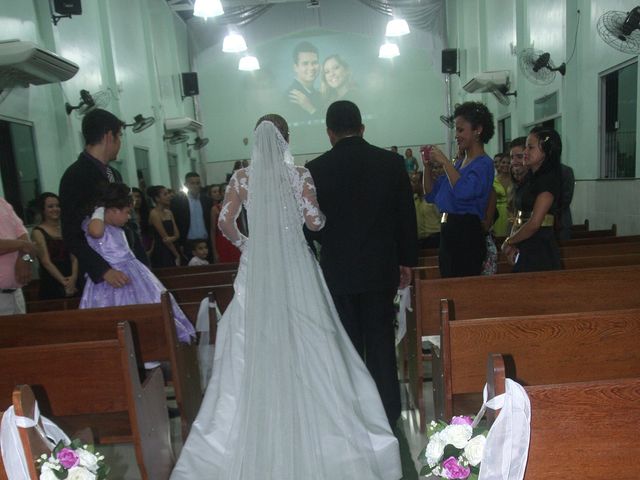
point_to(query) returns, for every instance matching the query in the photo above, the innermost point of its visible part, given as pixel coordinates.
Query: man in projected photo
(302, 92)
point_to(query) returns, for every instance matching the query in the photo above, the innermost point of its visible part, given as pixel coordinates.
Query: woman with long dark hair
(532, 245)
(58, 268)
(463, 192)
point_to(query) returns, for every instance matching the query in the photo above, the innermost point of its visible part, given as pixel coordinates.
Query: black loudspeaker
(450, 60)
(67, 7)
(190, 84)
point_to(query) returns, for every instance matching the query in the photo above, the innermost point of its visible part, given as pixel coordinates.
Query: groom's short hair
(343, 118)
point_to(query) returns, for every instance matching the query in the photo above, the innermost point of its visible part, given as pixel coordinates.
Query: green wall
(133, 50)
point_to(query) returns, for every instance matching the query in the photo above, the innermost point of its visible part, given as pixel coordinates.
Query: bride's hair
(278, 121)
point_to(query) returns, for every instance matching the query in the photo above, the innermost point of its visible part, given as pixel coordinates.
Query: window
(546, 106)
(618, 100)
(141, 156)
(19, 167)
(504, 134)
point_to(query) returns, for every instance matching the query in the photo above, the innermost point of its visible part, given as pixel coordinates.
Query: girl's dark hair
(550, 144)
(42, 199)
(154, 190)
(478, 115)
(116, 195)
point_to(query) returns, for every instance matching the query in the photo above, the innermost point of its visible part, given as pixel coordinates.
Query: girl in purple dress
(105, 235)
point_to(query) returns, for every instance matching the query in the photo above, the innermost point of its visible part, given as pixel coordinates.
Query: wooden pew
(96, 383)
(607, 232)
(569, 263)
(584, 430)
(190, 280)
(155, 337)
(538, 293)
(34, 445)
(556, 348)
(185, 269)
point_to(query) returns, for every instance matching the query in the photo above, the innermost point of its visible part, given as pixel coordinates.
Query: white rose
(474, 449)
(87, 459)
(46, 473)
(457, 435)
(435, 449)
(80, 473)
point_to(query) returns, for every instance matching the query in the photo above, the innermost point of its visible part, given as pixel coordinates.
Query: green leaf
(473, 476)
(61, 474)
(75, 444)
(451, 451)
(426, 470)
(58, 447)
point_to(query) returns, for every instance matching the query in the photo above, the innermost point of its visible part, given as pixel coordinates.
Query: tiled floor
(123, 464)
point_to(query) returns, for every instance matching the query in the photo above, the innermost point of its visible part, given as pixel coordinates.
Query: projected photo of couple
(317, 84)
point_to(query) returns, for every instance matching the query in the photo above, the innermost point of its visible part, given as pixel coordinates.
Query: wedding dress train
(289, 397)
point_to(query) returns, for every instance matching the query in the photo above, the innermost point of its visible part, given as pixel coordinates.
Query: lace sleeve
(231, 207)
(313, 217)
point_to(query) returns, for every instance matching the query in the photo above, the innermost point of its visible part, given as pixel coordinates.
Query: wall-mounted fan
(538, 67)
(621, 30)
(178, 136)
(88, 102)
(140, 123)
(198, 143)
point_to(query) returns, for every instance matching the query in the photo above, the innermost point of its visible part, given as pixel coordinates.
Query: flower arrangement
(75, 461)
(454, 450)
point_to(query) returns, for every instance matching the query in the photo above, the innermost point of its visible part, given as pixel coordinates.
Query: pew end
(583, 430)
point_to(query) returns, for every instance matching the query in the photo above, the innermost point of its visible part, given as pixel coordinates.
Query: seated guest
(199, 252)
(58, 269)
(532, 246)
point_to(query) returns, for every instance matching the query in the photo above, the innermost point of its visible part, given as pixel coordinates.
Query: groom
(369, 242)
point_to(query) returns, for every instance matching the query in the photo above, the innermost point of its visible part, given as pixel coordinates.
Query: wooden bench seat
(569, 263)
(187, 270)
(545, 349)
(154, 334)
(581, 430)
(537, 293)
(96, 384)
(224, 277)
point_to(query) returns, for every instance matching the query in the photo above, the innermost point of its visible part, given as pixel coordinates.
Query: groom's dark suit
(365, 193)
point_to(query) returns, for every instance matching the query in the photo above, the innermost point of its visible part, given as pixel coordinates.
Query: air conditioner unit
(488, 82)
(24, 63)
(181, 123)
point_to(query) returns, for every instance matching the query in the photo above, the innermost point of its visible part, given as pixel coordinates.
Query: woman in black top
(58, 269)
(532, 245)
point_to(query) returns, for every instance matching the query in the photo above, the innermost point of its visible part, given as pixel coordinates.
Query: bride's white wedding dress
(289, 397)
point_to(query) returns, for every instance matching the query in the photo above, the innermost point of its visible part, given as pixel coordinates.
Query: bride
(289, 397)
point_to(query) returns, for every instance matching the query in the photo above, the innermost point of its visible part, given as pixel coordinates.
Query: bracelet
(98, 214)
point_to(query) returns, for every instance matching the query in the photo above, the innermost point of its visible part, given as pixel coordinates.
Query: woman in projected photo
(335, 80)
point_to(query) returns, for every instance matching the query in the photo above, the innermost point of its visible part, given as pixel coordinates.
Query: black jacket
(182, 214)
(80, 187)
(365, 193)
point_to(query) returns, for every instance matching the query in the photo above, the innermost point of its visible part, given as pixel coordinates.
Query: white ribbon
(505, 453)
(405, 304)
(13, 455)
(205, 349)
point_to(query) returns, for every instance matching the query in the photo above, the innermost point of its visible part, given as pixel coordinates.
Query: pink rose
(454, 470)
(461, 420)
(68, 458)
